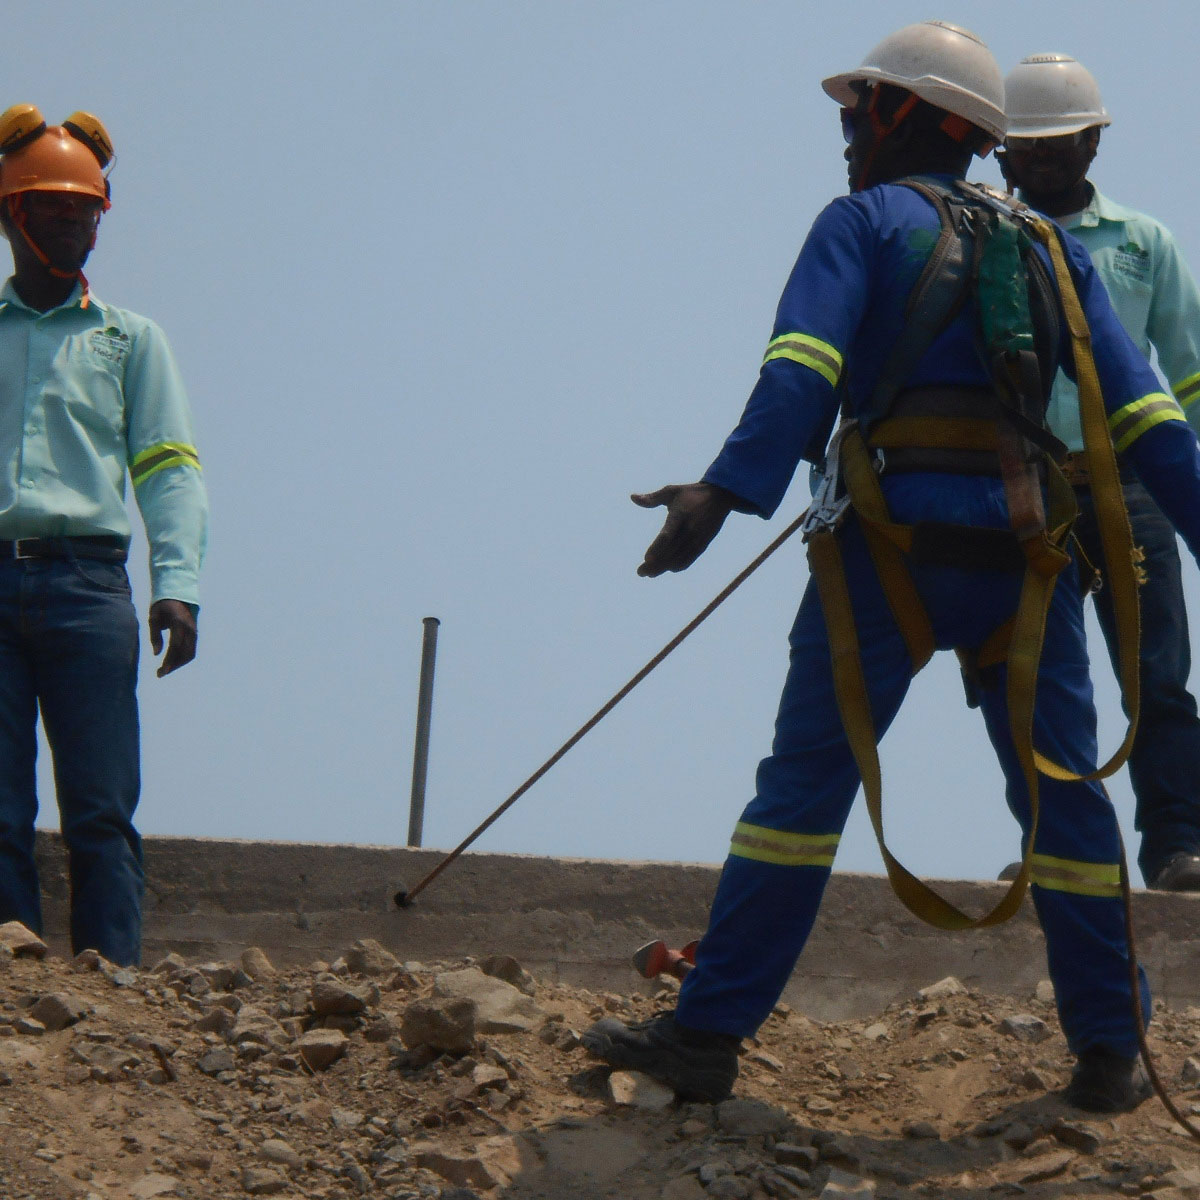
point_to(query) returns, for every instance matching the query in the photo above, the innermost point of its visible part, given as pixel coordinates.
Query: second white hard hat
(1049, 95)
(944, 64)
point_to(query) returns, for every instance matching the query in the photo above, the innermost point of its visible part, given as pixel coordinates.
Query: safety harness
(984, 253)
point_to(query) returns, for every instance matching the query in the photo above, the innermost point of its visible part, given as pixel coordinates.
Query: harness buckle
(828, 509)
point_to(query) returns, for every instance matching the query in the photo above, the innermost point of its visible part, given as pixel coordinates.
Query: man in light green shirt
(1055, 115)
(89, 397)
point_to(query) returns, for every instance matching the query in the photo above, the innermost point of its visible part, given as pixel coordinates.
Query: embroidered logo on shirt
(110, 344)
(1130, 259)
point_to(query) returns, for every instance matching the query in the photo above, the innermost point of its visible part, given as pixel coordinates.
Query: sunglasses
(62, 204)
(1058, 141)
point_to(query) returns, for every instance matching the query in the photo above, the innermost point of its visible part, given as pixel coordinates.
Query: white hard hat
(1048, 95)
(944, 64)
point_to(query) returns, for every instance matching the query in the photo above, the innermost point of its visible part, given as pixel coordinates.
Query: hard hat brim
(941, 93)
(841, 87)
(1043, 127)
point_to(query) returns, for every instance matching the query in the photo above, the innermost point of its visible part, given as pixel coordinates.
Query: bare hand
(176, 619)
(695, 514)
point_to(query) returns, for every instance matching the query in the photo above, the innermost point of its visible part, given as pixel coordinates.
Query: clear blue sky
(447, 281)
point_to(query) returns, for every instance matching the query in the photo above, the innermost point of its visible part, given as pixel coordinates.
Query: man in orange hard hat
(89, 394)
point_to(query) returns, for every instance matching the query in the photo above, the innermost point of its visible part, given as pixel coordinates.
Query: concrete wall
(578, 920)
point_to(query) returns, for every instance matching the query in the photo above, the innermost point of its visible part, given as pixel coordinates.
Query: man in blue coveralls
(1055, 115)
(921, 103)
(89, 396)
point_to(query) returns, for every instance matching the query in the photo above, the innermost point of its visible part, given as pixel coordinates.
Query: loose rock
(21, 942)
(262, 1181)
(58, 1010)
(1025, 1028)
(330, 998)
(1045, 1166)
(500, 1007)
(920, 1130)
(730, 1187)
(153, 1185)
(942, 989)
(750, 1118)
(321, 1048)
(796, 1156)
(1081, 1137)
(505, 967)
(256, 964)
(446, 1023)
(635, 1090)
(844, 1186)
(368, 957)
(278, 1151)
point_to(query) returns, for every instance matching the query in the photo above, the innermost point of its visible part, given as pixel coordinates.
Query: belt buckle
(17, 551)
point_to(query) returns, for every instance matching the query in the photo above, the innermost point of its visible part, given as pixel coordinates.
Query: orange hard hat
(54, 162)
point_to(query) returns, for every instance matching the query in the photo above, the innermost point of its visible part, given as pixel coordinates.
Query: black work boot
(699, 1065)
(1181, 873)
(1107, 1082)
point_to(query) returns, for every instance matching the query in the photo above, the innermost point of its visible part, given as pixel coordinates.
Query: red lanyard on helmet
(881, 131)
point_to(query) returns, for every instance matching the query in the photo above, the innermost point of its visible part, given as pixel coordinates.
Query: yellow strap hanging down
(1045, 557)
(850, 686)
(1116, 536)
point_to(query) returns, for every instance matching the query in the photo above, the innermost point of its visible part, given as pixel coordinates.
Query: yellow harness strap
(1116, 537)
(1019, 641)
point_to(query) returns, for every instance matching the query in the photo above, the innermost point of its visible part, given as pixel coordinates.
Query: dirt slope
(197, 1080)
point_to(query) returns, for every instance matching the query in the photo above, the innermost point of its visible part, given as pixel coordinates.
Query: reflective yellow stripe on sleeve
(1128, 424)
(785, 849)
(1080, 878)
(158, 458)
(810, 352)
(1187, 391)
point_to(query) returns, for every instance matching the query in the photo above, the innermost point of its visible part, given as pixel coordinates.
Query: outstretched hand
(695, 514)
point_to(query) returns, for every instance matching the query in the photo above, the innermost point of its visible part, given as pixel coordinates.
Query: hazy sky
(447, 281)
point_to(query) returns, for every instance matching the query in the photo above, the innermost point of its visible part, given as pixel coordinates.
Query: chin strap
(17, 212)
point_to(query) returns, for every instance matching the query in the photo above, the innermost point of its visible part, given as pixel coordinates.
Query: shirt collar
(1100, 208)
(9, 295)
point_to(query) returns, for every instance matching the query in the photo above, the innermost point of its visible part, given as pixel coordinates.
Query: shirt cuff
(175, 583)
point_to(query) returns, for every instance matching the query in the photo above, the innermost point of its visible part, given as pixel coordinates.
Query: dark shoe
(699, 1065)
(1181, 874)
(1106, 1082)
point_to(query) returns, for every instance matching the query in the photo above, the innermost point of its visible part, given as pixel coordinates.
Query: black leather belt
(107, 549)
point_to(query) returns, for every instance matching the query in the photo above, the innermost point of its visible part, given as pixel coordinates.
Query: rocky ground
(460, 1080)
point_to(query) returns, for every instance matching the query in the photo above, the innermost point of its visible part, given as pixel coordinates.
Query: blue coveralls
(841, 312)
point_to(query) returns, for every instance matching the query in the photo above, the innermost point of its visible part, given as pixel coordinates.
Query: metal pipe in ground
(416, 808)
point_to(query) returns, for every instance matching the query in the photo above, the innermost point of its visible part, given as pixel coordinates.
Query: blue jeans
(69, 646)
(1164, 767)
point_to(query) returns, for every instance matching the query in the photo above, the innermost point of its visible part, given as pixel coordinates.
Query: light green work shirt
(1154, 296)
(91, 394)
